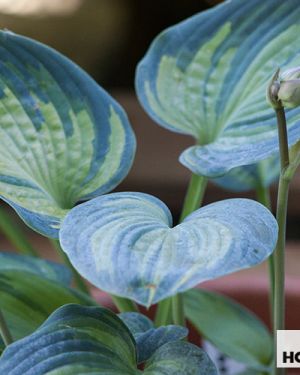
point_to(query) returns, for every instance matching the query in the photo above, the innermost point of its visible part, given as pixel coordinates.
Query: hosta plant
(66, 144)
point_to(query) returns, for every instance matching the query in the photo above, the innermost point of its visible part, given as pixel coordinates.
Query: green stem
(78, 279)
(263, 196)
(124, 304)
(192, 201)
(283, 138)
(15, 235)
(281, 216)
(194, 195)
(163, 313)
(178, 310)
(4, 331)
(279, 262)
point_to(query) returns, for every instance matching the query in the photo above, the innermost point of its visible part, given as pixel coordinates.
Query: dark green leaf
(178, 358)
(148, 338)
(92, 340)
(233, 329)
(41, 267)
(27, 299)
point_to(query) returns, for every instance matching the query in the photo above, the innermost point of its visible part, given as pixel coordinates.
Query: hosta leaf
(63, 138)
(230, 327)
(124, 243)
(41, 267)
(178, 358)
(148, 338)
(92, 340)
(207, 77)
(27, 299)
(137, 323)
(250, 177)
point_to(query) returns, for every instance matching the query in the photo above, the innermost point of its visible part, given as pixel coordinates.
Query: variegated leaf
(63, 138)
(207, 77)
(124, 243)
(40, 267)
(27, 299)
(250, 177)
(148, 338)
(91, 340)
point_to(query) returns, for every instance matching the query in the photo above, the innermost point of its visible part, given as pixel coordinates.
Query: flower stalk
(281, 216)
(283, 91)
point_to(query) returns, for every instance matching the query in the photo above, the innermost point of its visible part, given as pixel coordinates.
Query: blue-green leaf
(207, 77)
(137, 323)
(40, 267)
(230, 327)
(92, 340)
(148, 338)
(124, 243)
(178, 358)
(63, 138)
(250, 177)
(27, 299)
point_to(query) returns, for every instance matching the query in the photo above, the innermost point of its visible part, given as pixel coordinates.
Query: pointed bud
(289, 74)
(289, 92)
(273, 89)
(284, 89)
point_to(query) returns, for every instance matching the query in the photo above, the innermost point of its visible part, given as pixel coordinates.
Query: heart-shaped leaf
(63, 138)
(207, 77)
(232, 328)
(40, 267)
(250, 177)
(148, 338)
(92, 340)
(124, 243)
(27, 299)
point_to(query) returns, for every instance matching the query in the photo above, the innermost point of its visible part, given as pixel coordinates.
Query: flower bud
(272, 91)
(289, 74)
(284, 89)
(289, 93)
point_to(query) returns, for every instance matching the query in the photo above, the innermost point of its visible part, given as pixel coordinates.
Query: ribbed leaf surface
(63, 138)
(124, 243)
(207, 77)
(250, 177)
(148, 338)
(91, 340)
(41, 267)
(27, 299)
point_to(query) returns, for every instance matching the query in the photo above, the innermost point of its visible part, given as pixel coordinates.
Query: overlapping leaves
(31, 289)
(90, 340)
(63, 138)
(207, 77)
(124, 243)
(251, 177)
(47, 269)
(148, 338)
